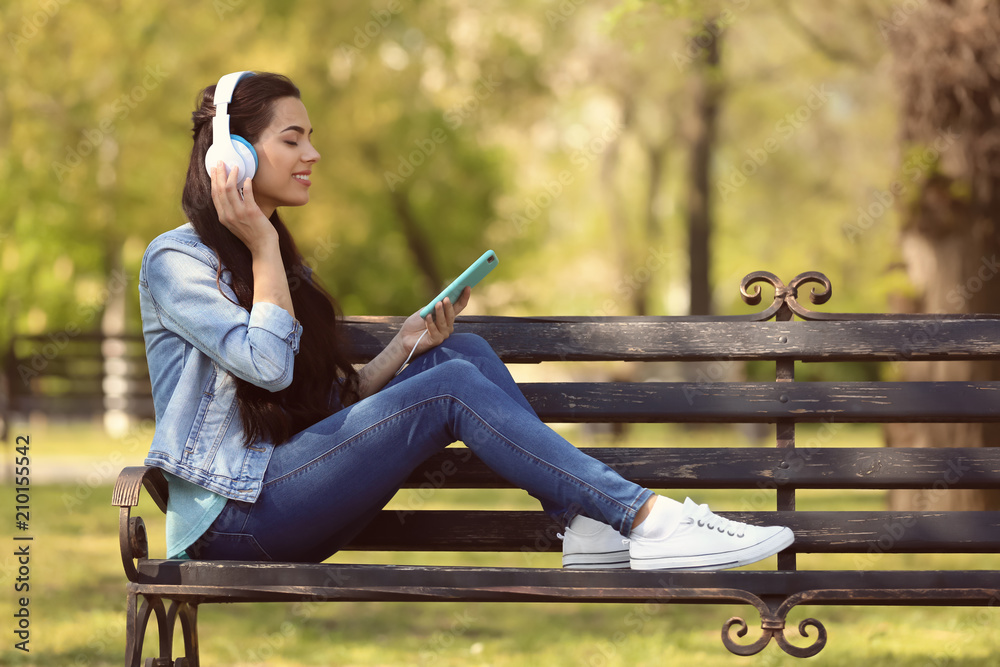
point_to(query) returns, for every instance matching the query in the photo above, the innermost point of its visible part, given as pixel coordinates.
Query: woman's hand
(438, 326)
(434, 329)
(240, 213)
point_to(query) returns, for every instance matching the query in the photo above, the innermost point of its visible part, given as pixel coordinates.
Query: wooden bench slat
(333, 581)
(673, 339)
(761, 402)
(816, 532)
(752, 467)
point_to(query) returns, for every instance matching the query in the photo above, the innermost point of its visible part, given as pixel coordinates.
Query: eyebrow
(297, 129)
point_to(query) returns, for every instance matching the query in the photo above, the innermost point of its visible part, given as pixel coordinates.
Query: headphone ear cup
(212, 157)
(249, 156)
(230, 158)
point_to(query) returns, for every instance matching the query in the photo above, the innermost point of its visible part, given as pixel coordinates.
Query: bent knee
(468, 344)
(457, 377)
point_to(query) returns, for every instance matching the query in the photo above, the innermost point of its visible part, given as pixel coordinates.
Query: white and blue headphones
(232, 149)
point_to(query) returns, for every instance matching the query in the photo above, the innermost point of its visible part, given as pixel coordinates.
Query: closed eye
(292, 143)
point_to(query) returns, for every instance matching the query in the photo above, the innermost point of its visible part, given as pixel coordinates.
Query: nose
(312, 155)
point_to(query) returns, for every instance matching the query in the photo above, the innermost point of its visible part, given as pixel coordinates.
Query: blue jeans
(328, 482)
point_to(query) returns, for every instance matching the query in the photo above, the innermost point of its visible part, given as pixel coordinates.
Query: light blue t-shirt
(191, 509)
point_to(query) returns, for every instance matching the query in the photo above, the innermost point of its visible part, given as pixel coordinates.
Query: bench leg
(188, 614)
(135, 630)
(137, 619)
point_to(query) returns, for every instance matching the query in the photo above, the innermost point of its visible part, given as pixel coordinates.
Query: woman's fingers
(463, 300)
(222, 191)
(449, 315)
(441, 323)
(247, 190)
(238, 212)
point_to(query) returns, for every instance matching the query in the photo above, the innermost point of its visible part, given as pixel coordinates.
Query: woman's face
(285, 157)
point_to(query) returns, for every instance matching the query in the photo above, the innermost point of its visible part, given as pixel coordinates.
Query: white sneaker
(593, 545)
(706, 541)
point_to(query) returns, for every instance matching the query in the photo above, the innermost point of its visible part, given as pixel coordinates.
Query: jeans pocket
(227, 546)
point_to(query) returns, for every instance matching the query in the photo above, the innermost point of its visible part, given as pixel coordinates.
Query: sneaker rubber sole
(597, 561)
(719, 561)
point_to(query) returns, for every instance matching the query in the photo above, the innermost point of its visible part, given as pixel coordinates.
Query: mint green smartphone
(470, 277)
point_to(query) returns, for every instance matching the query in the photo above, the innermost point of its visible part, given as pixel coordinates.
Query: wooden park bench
(174, 589)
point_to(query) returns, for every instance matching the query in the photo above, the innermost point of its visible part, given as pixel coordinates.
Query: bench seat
(222, 581)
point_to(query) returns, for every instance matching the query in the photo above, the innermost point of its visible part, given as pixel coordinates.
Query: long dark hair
(270, 416)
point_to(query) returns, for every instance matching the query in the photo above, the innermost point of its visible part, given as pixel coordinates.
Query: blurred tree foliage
(555, 132)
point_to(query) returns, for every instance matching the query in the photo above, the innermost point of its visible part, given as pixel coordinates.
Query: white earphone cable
(410, 356)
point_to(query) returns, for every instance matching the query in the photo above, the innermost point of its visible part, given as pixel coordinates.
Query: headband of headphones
(233, 150)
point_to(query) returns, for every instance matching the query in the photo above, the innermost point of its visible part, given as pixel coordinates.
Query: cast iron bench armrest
(132, 530)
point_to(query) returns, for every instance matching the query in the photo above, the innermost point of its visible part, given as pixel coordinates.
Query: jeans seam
(368, 430)
(531, 456)
(512, 446)
(212, 534)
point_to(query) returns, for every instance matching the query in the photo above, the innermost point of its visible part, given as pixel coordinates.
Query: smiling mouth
(302, 178)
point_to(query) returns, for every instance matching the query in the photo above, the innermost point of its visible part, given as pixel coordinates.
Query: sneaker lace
(705, 518)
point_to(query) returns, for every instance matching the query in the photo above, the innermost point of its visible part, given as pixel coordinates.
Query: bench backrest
(773, 472)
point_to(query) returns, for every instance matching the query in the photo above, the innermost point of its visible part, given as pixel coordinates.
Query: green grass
(78, 596)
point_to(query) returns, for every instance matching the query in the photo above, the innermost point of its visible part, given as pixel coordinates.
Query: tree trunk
(948, 68)
(418, 242)
(615, 198)
(705, 108)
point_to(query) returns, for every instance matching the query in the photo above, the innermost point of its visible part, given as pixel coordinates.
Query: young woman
(276, 448)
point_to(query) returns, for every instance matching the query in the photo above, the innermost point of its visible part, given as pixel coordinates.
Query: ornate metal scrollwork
(743, 649)
(137, 537)
(786, 296)
(804, 651)
(773, 625)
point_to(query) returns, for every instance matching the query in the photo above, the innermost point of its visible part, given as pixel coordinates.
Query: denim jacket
(197, 340)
